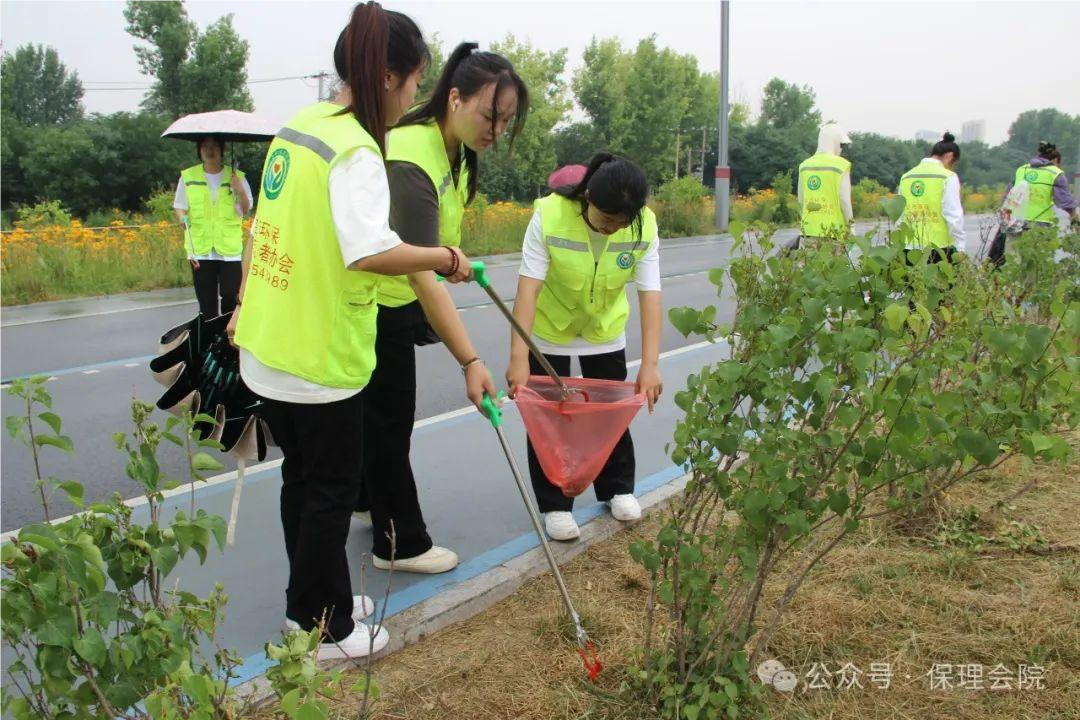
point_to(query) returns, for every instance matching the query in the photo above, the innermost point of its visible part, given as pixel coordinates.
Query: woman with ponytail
(305, 323)
(585, 243)
(433, 169)
(933, 212)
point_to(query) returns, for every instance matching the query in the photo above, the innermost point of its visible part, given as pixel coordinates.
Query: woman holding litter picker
(433, 171)
(306, 323)
(585, 243)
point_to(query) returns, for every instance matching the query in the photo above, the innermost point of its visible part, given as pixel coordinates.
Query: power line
(150, 85)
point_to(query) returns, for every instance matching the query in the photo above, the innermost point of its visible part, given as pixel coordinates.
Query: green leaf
(976, 444)
(74, 492)
(716, 276)
(839, 501)
(314, 710)
(14, 423)
(893, 207)
(691, 712)
(52, 420)
(63, 442)
(203, 462)
(685, 319)
(91, 646)
(895, 315)
(737, 229)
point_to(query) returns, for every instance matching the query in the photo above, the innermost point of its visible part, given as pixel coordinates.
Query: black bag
(996, 254)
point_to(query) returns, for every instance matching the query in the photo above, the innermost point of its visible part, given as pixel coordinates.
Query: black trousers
(214, 280)
(323, 449)
(389, 488)
(617, 475)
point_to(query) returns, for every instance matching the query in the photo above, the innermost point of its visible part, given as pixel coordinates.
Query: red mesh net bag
(573, 438)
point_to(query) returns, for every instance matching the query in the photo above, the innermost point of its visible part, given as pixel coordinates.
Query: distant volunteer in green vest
(433, 170)
(585, 243)
(306, 322)
(1036, 189)
(825, 187)
(211, 201)
(932, 210)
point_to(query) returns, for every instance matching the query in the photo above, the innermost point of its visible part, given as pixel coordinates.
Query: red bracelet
(454, 264)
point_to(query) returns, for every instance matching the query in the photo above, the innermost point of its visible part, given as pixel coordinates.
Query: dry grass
(878, 598)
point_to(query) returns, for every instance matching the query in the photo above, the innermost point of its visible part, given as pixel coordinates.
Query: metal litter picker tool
(586, 649)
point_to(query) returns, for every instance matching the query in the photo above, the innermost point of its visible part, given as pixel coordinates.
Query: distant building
(929, 136)
(973, 131)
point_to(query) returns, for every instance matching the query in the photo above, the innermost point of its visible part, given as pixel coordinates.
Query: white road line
(131, 365)
(90, 372)
(271, 464)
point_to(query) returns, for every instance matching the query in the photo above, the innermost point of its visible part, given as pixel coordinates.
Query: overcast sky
(887, 67)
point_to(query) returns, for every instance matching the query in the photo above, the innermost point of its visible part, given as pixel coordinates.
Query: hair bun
(1046, 146)
(948, 137)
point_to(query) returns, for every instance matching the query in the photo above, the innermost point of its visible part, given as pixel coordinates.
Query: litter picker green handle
(492, 409)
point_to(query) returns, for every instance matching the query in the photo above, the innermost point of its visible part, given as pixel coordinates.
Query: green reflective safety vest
(583, 296)
(304, 311)
(819, 178)
(423, 146)
(213, 222)
(1040, 180)
(923, 188)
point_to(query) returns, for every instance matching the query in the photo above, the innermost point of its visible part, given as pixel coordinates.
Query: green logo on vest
(918, 188)
(1031, 176)
(277, 167)
(814, 182)
(625, 260)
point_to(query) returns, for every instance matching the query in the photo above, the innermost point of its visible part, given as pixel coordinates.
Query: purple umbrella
(567, 175)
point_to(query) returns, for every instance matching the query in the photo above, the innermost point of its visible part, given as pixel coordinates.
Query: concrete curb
(473, 596)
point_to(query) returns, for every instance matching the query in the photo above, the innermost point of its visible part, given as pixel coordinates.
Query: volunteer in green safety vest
(585, 243)
(825, 187)
(433, 169)
(1043, 186)
(933, 214)
(305, 325)
(211, 201)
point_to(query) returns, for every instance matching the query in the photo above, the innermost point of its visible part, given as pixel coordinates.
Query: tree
(785, 105)
(194, 72)
(600, 89)
(657, 100)
(434, 69)
(1051, 125)
(521, 173)
(576, 143)
(37, 88)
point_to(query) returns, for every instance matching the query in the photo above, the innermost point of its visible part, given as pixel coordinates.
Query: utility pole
(1076, 173)
(322, 78)
(723, 171)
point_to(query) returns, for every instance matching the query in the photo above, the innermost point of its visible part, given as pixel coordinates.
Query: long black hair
(470, 72)
(616, 186)
(947, 144)
(1048, 151)
(374, 42)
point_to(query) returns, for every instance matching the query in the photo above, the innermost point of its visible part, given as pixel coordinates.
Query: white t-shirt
(360, 206)
(535, 262)
(213, 181)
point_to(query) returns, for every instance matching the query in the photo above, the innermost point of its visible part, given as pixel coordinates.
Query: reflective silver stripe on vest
(623, 247)
(925, 177)
(838, 171)
(194, 182)
(445, 184)
(565, 244)
(311, 142)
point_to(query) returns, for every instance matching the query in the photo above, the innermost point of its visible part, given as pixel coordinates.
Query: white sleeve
(534, 253)
(180, 201)
(247, 191)
(360, 205)
(953, 210)
(798, 195)
(647, 272)
(845, 196)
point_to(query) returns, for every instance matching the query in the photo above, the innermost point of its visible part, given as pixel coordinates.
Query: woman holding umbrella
(211, 201)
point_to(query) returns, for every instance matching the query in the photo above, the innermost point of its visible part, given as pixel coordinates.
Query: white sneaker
(359, 643)
(560, 525)
(362, 606)
(363, 516)
(625, 507)
(434, 561)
